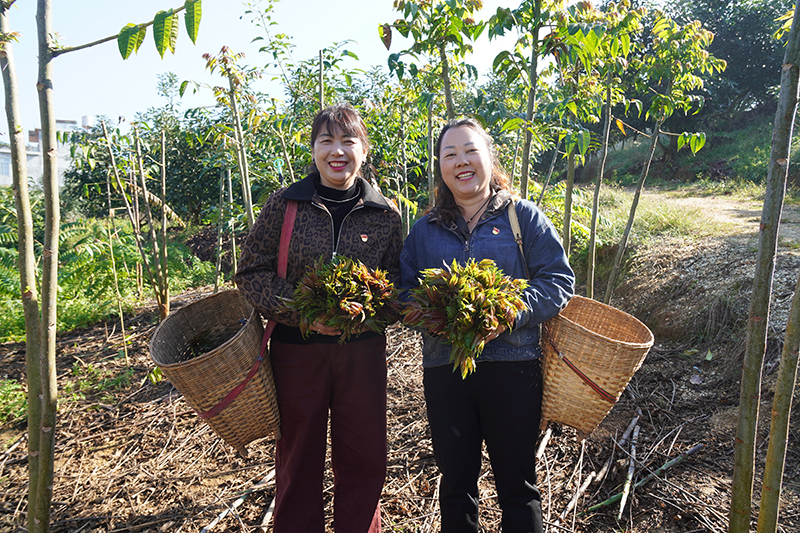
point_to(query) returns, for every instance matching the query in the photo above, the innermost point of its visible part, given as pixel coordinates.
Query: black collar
(305, 191)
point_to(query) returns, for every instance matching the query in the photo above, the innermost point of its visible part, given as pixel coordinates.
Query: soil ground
(131, 455)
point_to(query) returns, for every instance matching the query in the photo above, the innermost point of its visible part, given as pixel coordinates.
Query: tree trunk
(779, 425)
(533, 76)
(431, 180)
(111, 231)
(596, 201)
(549, 173)
(448, 95)
(750, 396)
(27, 261)
(516, 156)
(405, 210)
(231, 221)
(220, 225)
(612, 280)
(40, 521)
(285, 151)
(566, 235)
(132, 213)
(321, 84)
(163, 244)
(241, 154)
(158, 260)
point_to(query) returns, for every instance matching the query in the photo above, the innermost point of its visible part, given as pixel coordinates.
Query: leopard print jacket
(371, 232)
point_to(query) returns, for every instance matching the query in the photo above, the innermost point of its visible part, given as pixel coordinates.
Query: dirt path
(735, 216)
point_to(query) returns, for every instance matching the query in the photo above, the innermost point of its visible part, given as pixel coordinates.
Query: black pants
(500, 403)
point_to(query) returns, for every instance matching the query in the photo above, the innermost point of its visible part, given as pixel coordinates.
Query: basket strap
(514, 221)
(286, 237)
(283, 260)
(586, 379)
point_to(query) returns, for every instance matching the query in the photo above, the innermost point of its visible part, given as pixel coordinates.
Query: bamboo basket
(231, 330)
(607, 345)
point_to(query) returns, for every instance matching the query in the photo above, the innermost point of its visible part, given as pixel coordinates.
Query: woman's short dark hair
(445, 202)
(342, 116)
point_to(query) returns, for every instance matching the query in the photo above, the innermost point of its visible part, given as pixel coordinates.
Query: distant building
(34, 153)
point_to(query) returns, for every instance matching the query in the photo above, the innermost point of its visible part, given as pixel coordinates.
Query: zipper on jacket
(339, 237)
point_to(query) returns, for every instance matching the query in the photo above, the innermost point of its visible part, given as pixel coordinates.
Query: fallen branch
(262, 527)
(240, 500)
(629, 478)
(604, 470)
(543, 444)
(662, 468)
(576, 496)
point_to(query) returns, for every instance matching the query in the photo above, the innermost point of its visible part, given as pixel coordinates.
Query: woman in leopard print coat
(338, 213)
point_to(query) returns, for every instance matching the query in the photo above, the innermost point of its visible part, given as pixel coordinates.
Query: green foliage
(466, 304)
(87, 380)
(553, 204)
(86, 291)
(13, 401)
(743, 37)
(345, 295)
(165, 30)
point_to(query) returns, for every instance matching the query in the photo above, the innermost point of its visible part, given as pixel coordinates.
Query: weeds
(89, 380)
(13, 401)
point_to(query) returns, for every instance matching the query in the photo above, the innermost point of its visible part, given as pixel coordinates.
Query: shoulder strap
(512, 218)
(286, 237)
(283, 260)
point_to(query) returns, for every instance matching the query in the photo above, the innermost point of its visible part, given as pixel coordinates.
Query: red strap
(586, 379)
(283, 260)
(286, 236)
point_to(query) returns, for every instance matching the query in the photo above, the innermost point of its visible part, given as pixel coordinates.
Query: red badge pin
(364, 237)
(495, 231)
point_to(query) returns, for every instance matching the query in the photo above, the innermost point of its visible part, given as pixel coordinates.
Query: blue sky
(96, 81)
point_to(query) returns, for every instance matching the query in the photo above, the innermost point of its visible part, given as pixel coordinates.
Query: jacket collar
(498, 202)
(305, 191)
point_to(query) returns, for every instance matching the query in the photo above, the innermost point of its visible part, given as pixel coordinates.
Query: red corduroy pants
(349, 382)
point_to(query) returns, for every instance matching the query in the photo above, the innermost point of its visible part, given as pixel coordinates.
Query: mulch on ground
(132, 456)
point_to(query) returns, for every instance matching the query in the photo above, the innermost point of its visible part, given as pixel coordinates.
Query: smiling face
(338, 157)
(465, 162)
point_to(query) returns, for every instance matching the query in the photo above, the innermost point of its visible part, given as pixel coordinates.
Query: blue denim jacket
(433, 243)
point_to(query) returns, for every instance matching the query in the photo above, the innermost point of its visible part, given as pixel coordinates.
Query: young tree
(437, 28)
(41, 339)
(750, 396)
(27, 261)
(528, 20)
(620, 23)
(671, 70)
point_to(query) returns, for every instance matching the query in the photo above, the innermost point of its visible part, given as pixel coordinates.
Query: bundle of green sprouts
(466, 304)
(345, 295)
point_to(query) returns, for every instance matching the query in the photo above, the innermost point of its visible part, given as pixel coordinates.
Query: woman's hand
(323, 329)
(496, 333)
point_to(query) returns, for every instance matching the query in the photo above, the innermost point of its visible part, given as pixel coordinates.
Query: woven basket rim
(609, 310)
(202, 358)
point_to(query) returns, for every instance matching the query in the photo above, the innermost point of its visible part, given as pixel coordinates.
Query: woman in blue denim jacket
(500, 403)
